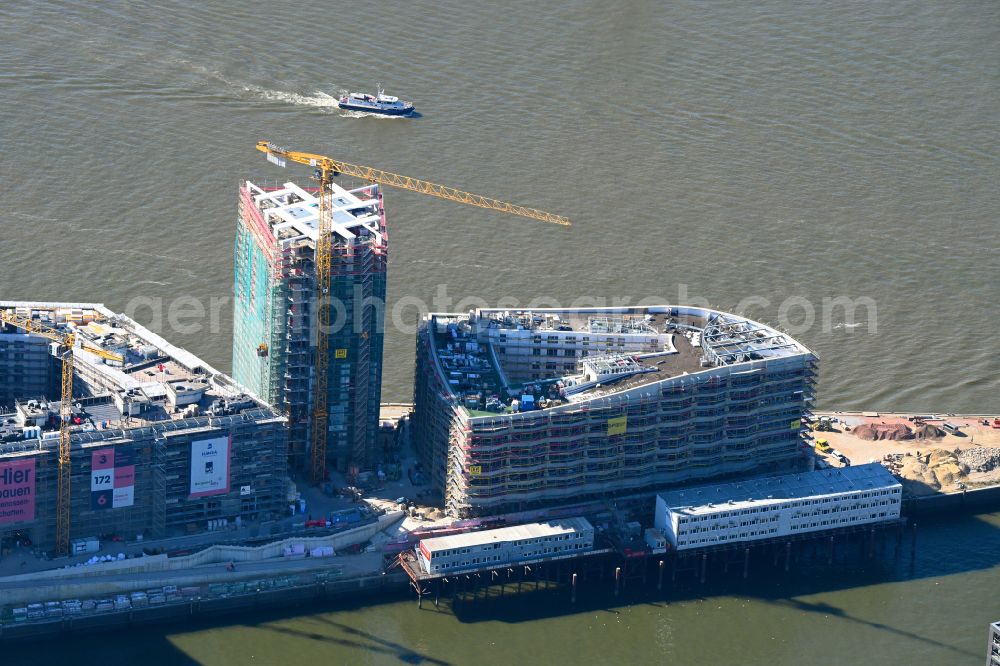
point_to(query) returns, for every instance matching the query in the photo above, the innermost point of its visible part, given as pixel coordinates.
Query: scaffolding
(281, 225)
(644, 429)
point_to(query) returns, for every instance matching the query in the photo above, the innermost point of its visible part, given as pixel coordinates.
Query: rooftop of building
(512, 533)
(651, 344)
(710, 498)
(292, 212)
(121, 367)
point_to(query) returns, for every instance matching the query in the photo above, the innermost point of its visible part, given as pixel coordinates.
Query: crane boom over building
(326, 168)
(68, 341)
(383, 177)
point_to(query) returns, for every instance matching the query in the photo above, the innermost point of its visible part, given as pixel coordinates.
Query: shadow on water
(947, 545)
(360, 640)
(151, 645)
(839, 613)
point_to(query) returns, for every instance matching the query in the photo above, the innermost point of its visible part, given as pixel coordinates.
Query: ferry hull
(405, 111)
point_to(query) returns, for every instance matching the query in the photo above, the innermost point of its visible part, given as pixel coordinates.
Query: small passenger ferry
(381, 103)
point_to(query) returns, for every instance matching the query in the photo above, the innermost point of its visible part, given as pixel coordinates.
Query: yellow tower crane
(67, 341)
(326, 168)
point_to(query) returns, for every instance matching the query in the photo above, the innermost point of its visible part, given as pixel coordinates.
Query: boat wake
(318, 100)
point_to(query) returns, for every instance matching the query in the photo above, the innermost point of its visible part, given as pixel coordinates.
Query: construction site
(515, 410)
(274, 336)
(310, 283)
(929, 453)
(143, 439)
(109, 430)
(577, 433)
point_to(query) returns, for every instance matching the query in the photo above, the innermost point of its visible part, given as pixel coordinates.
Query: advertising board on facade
(17, 491)
(112, 478)
(210, 466)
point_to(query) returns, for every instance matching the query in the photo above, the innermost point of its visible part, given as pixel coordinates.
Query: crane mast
(324, 250)
(325, 169)
(67, 341)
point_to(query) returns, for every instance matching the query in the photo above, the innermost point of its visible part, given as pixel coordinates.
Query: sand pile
(928, 431)
(934, 469)
(879, 431)
(937, 470)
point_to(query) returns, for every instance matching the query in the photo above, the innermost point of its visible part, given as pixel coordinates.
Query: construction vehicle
(66, 341)
(823, 424)
(325, 169)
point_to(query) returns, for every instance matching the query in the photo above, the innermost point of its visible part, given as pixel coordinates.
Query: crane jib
(328, 167)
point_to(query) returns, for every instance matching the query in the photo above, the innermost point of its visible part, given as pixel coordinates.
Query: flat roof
(689, 340)
(686, 360)
(292, 212)
(711, 498)
(512, 533)
(147, 364)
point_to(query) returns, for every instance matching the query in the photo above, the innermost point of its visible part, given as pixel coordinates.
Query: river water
(779, 159)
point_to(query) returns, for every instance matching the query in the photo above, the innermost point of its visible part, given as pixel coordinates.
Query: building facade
(162, 443)
(521, 409)
(780, 506)
(275, 312)
(27, 368)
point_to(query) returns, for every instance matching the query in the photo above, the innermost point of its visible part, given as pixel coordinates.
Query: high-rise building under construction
(275, 312)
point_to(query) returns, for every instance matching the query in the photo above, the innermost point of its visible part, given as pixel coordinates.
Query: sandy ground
(911, 458)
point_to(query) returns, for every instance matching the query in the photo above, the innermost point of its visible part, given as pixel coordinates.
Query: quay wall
(976, 498)
(203, 608)
(211, 555)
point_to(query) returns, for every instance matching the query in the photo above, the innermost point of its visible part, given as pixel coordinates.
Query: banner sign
(17, 491)
(210, 467)
(112, 478)
(124, 494)
(617, 425)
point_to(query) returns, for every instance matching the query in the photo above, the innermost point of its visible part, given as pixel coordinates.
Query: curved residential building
(519, 409)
